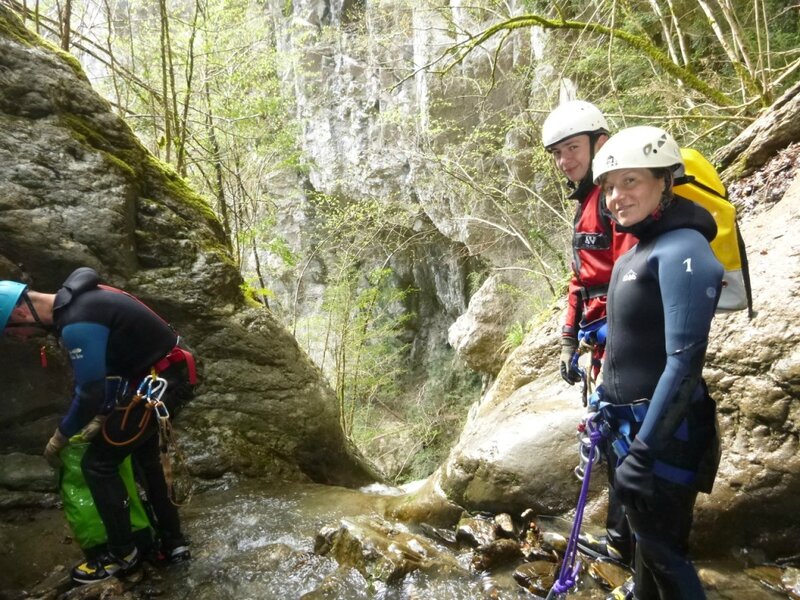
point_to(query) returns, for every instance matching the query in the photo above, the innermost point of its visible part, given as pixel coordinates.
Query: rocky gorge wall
(368, 111)
(77, 188)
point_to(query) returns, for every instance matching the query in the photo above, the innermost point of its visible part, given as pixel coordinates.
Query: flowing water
(252, 540)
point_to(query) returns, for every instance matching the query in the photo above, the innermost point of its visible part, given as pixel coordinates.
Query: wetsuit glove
(569, 345)
(634, 480)
(54, 447)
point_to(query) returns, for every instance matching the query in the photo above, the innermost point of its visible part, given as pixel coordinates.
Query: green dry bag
(79, 507)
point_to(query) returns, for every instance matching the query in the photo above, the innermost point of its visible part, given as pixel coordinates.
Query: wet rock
(339, 584)
(532, 549)
(727, 581)
(476, 531)
(381, 550)
(527, 519)
(56, 582)
(767, 575)
(791, 582)
(607, 573)
(11, 499)
(504, 525)
(498, 553)
(26, 472)
(110, 589)
(446, 536)
(537, 576)
(789, 561)
(554, 541)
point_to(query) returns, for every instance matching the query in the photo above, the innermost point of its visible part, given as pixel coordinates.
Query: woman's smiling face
(632, 194)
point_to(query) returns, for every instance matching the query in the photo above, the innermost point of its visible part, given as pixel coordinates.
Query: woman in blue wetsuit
(662, 297)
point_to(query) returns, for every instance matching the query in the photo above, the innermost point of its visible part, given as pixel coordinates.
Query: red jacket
(596, 245)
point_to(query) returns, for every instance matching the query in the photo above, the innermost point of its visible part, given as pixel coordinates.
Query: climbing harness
(621, 423)
(570, 566)
(146, 402)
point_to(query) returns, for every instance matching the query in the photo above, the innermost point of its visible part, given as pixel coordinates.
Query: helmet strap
(34, 314)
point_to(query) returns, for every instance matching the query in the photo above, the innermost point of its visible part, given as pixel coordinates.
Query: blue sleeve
(86, 344)
(690, 280)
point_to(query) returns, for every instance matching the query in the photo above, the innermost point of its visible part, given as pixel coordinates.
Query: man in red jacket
(573, 133)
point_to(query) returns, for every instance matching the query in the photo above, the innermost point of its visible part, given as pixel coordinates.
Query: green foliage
(641, 66)
(419, 425)
(363, 355)
(514, 336)
(475, 280)
(255, 295)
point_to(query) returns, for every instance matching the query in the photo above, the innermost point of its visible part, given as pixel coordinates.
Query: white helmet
(572, 118)
(642, 147)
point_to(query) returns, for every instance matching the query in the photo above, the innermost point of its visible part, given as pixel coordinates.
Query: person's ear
(601, 139)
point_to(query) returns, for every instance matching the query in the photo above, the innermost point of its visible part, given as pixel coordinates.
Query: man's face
(573, 157)
(21, 324)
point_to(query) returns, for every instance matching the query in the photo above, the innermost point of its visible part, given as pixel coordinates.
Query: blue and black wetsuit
(109, 333)
(661, 301)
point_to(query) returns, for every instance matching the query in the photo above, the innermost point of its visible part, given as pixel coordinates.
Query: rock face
(367, 117)
(753, 370)
(479, 334)
(77, 188)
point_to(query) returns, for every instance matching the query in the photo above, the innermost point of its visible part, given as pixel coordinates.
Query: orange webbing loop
(143, 422)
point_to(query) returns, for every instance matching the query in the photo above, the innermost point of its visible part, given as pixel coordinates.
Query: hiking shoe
(178, 554)
(623, 592)
(598, 547)
(105, 566)
(173, 551)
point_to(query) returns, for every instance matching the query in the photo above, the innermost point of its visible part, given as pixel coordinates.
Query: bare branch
(460, 51)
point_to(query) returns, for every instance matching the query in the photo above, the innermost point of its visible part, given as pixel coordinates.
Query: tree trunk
(165, 91)
(65, 16)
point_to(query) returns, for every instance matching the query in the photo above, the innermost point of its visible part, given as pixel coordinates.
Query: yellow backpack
(702, 185)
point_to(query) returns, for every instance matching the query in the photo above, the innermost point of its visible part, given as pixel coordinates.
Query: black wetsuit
(661, 301)
(109, 333)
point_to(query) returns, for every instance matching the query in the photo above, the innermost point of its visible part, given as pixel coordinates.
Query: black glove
(569, 345)
(634, 480)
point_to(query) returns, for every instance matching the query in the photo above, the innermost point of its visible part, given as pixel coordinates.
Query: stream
(254, 540)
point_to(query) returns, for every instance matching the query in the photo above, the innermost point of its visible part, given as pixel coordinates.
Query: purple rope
(570, 568)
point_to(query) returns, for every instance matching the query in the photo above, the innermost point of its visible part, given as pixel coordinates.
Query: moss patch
(154, 178)
(178, 187)
(11, 26)
(83, 131)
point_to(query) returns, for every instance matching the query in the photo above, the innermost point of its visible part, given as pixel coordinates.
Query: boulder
(78, 189)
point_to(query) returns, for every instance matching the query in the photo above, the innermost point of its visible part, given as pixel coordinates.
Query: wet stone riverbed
(256, 541)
